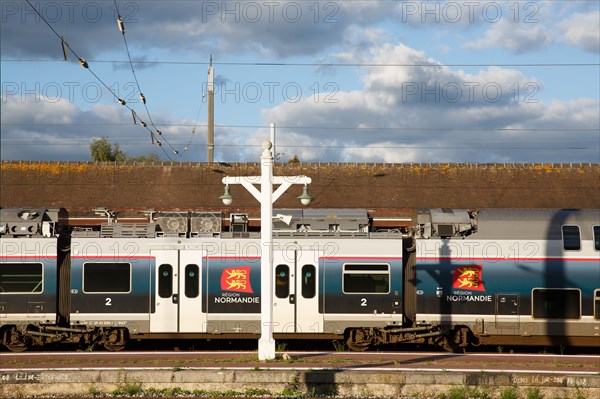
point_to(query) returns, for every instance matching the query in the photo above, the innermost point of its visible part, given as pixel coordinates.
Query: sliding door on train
(177, 294)
(296, 298)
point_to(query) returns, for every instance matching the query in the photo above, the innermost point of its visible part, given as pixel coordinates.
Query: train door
(295, 300)
(177, 292)
(165, 316)
(191, 318)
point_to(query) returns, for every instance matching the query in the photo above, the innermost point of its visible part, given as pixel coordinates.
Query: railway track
(434, 361)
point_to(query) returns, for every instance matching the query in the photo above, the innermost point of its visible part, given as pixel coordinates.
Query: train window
(192, 281)
(106, 277)
(309, 280)
(21, 278)
(282, 281)
(165, 281)
(597, 304)
(571, 238)
(366, 278)
(556, 303)
(596, 238)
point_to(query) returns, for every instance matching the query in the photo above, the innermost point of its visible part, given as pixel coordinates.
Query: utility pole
(211, 113)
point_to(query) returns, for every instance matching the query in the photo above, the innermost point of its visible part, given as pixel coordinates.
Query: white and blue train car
(456, 278)
(29, 266)
(211, 287)
(527, 277)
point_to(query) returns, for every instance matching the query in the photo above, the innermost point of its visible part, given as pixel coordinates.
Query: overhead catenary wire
(343, 129)
(468, 136)
(187, 147)
(346, 146)
(333, 64)
(67, 48)
(121, 26)
(533, 143)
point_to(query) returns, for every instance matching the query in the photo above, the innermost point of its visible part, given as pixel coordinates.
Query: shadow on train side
(566, 292)
(555, 276)
(533, 283)
(432, 302)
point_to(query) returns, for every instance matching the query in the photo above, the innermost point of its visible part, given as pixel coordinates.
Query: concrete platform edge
(293, 383)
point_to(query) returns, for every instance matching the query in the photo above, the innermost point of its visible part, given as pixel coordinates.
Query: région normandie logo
(468, 278)
(236, 279)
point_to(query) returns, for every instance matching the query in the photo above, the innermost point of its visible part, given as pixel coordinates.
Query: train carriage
(523, 277)
(200, 287)
(454, 279)
(29, 266)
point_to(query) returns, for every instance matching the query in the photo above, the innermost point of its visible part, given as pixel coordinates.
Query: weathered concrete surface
(81, 186)
(293, 383)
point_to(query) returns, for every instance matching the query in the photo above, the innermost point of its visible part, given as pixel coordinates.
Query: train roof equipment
(445, 223)
(205, 224)
(29, 222)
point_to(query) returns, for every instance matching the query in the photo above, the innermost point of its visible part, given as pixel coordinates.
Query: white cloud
(38, 109)
(515, 37)
(487, 122)
(535, 29)
(274, 29)
(383, 152)
(393, 113)
(582, 30)
(51, 129)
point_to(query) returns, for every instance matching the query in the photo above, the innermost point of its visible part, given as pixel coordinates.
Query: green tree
(103, 150)
(150, 157)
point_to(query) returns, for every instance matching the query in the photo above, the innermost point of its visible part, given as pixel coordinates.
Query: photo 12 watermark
(52, 92)
(457, 12)
(469, 92)
(270, 12)
(55, 12)
(273, 92)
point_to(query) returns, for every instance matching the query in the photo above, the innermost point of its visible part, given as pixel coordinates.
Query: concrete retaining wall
(296, 383)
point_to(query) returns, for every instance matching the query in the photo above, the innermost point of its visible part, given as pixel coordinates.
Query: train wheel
(449, 346)
(14, 340)
(456, 339)
(358, 341)
(115, 340)
(114, 348)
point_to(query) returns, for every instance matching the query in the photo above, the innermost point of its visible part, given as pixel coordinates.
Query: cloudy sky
(344, 81)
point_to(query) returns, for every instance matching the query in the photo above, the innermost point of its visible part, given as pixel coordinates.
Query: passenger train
(454, 278)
